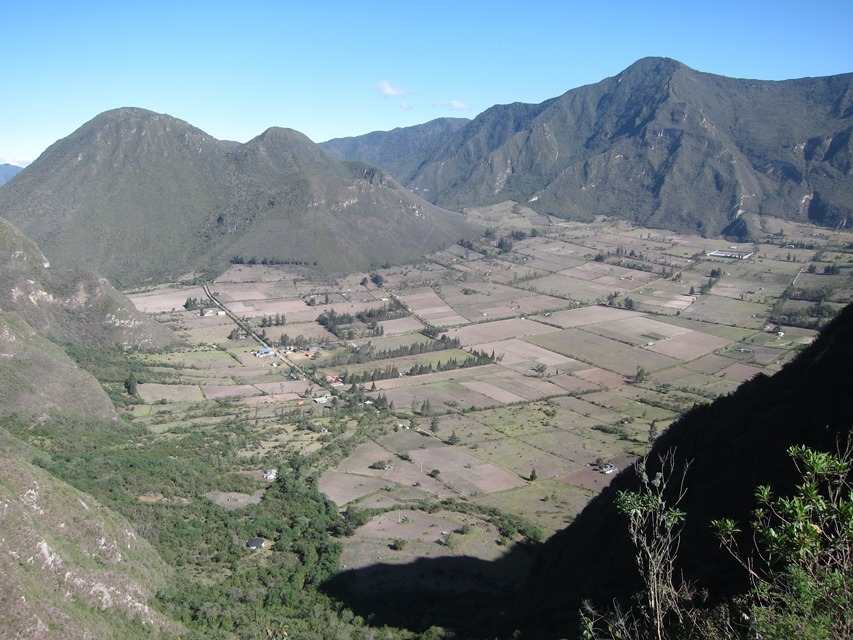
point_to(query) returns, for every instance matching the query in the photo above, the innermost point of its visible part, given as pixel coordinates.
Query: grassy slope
(70, 567)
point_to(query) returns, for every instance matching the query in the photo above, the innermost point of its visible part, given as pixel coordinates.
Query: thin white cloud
(390, 91)
(20, 162)
(406, 105)
(454, 105)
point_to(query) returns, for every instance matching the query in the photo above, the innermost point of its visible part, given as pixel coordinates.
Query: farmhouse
(263, 353)
(256, 543)
(271, 474)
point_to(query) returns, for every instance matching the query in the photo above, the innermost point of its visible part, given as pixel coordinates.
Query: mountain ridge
(7, 172)
(402, 149)
(662, 145)
(141, 196)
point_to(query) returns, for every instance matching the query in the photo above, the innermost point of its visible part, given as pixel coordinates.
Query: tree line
(475, 359)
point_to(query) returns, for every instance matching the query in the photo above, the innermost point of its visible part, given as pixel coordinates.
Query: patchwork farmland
(459, 405)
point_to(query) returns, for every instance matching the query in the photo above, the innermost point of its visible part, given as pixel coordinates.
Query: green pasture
(549, 504)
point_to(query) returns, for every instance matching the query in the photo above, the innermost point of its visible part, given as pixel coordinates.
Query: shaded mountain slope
(734, 444)
(662, 145)
(140, 196)
(399, 151)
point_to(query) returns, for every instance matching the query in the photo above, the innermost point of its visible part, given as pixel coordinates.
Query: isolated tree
(433, 424)
(130, 385)
(653, 431)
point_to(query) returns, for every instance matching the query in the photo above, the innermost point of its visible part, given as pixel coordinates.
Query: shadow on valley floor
(464, 594)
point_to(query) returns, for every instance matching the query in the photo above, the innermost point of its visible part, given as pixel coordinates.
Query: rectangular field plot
(427, 304)
(601, 377)
(592, 412)
(612, 276)
(594, 314)
(602, 352)
(550, 504)
(515, 351)
(442, 394)
(162, 300)
(710, 308)
(284, 386)
(204, 359)
(151, 392)
(573, 288)
(515, 421)
(741, 372)
(687, 380)
(710, 364)
(519, 457)
(212, 392)
(733, 333)
(636, 329)
(401, 326)
(689, 346)
(661, 300)
(573, 384)
(487, 332)
(243, 291)
(491, 391)
(343, 488)
(466, 473)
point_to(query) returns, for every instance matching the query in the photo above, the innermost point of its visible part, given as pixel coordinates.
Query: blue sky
(347, 68)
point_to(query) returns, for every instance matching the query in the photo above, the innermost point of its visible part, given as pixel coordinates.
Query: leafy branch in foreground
(801, 582)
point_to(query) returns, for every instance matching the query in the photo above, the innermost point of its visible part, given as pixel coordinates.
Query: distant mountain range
(142, 197)
(659, 144)
(139, 197)
(400, 151)
(7, 172)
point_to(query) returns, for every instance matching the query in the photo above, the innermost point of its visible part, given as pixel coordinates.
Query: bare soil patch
(401, 326)
(589, 315)
(233, 500)
(162, 300)
(515, 350)
(488, 332)
(212, 392)
(153, 392)
(689, 346)
(591, 478)
(491, 391)
(601, 377)
(741, 372)
(343, 488)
